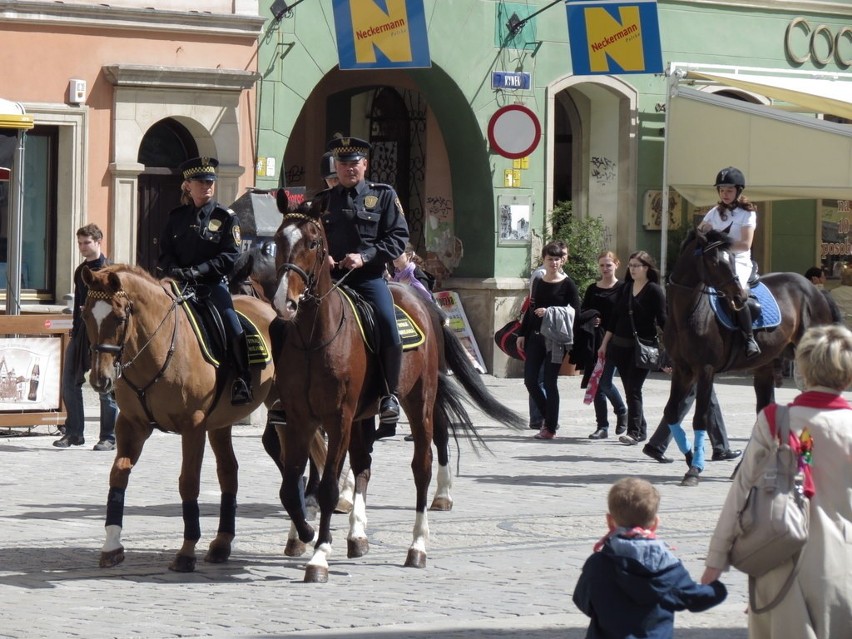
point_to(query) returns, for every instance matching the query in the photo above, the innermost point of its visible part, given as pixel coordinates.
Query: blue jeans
(538, 358)
(72, 394)
(607, 391)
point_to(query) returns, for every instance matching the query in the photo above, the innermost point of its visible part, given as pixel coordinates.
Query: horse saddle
(765, 312)
(411, 334)
(206, 322)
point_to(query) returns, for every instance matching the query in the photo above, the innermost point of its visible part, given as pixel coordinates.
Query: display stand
(32, 350)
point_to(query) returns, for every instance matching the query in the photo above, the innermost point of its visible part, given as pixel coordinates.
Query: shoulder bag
(772, 526)
(646, 352)
(506, 337)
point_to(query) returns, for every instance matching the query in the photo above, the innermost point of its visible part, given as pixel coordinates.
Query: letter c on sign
(812, 38)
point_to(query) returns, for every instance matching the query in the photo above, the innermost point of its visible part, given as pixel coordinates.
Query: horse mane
(118, 269)
(707, 236)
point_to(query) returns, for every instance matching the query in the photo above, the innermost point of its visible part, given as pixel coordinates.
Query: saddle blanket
(258, 349)
(410, 333)
(770, 314)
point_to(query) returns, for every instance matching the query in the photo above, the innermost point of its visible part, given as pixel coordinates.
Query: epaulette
(379, 185)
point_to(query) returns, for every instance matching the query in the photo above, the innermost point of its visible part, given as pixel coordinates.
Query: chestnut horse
(327, 378)
(700, 347)
(144, 349)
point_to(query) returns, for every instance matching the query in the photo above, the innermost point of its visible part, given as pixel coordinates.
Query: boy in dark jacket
(632, 585)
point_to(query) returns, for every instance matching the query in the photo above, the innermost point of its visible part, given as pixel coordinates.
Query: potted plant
(585, 239)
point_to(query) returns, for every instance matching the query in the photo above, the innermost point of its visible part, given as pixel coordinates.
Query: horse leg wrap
(679, 435)
(191, 524)
(115, 507)
(227, 514)
(698, 452)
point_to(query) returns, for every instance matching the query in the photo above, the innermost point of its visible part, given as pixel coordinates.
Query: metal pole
(16, 217)
(671, 82)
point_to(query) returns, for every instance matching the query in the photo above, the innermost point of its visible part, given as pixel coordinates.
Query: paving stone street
(503, 563)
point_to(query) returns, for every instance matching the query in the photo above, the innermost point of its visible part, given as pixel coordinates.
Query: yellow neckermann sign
(381, 34)
(614, 37)
(12, 116)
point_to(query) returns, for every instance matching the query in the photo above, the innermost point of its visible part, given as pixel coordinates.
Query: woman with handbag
(601, 296)
(553, 290)
(818, 604)
(638, 312)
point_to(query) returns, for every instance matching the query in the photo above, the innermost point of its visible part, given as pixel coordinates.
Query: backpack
(773, 523)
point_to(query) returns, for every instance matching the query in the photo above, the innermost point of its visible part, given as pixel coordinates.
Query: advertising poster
(450, 303)
(30, 371)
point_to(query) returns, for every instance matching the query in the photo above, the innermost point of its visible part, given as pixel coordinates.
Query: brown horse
(700, 347)
(327, 377)
(144, 349)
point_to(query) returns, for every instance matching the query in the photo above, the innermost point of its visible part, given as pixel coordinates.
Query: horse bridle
(701, 252)
(117, 350)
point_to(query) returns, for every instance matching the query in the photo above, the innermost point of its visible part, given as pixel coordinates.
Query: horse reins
(117, 350)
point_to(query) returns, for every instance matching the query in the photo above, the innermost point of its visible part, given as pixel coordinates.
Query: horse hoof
(218, 554)
(182, 563)
(344, 506)
(441, 503)
(357, 547)
(294, 548)
(112, 558)
(415, 559)
(316, 574)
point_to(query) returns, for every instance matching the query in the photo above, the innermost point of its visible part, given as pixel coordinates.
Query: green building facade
(479, 218)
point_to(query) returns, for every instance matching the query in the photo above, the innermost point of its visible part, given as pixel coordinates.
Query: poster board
(450, 303)
(32, 349)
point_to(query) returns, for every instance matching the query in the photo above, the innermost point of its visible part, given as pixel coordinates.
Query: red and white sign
(514, 131)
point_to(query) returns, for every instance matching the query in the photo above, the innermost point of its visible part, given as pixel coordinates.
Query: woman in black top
(642, 294)
(602, 296)
(554, 288)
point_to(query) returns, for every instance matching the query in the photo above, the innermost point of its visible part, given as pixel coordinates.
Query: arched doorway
(165, 146)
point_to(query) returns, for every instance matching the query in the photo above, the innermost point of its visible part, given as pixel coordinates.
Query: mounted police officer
(198, 247)
(366, 229)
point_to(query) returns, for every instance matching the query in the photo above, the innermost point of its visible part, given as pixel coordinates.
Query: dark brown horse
(144, 349)
(700, 347)
(327, 377)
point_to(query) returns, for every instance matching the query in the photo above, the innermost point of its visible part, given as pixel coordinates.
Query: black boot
(389, 404)
(241, 389)
(621, 422)
(744, 320)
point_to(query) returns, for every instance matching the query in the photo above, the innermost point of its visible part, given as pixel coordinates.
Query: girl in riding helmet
(737, 217)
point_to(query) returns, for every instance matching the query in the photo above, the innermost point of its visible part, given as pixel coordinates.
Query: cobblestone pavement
(502, 564)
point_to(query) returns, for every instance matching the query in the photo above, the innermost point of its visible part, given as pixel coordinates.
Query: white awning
(13, 116)
(783, 155)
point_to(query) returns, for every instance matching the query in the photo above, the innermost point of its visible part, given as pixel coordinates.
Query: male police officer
(366, 229)
(199, 246)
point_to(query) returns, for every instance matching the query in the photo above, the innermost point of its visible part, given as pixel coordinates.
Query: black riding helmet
(731, 176)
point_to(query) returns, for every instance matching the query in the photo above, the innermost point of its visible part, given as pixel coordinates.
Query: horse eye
(313, 245)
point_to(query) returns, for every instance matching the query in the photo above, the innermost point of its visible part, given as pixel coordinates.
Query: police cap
(349, 149)
(199, 169)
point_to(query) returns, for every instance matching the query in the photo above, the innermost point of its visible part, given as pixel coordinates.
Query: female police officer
(199, 246)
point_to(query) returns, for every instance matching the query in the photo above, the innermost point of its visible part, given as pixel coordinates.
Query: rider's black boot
(389, 404)
(744, 320)
(241, 389)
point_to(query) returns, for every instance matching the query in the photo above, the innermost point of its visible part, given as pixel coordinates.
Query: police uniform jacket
(207, 239)
(365, 219)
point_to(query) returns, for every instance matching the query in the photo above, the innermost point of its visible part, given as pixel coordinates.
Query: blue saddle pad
(770, 314)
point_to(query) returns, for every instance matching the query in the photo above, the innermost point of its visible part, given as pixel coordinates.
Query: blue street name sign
(511, 80)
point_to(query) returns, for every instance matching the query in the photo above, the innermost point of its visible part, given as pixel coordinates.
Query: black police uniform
(200, 246)
(368, 219)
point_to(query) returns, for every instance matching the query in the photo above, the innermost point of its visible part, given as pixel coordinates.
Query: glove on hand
(184, 274)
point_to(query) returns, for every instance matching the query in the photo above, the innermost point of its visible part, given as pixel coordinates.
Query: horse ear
(114, 281)
(87, 276)
(282, 201)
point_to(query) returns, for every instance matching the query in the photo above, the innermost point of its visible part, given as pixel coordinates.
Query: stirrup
(240, 393)
(389, 409)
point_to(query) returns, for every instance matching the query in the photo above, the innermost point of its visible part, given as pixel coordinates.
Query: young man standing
(76, 362)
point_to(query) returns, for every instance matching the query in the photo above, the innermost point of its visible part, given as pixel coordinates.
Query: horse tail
(451, 415)
(457, 360)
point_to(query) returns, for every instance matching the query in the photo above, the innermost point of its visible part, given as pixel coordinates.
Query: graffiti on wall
(603, 170)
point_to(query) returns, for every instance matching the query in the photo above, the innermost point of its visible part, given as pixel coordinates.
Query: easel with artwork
(32, 348)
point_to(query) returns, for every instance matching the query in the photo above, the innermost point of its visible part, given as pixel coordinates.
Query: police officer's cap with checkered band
(201, 168)
(349, 149)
